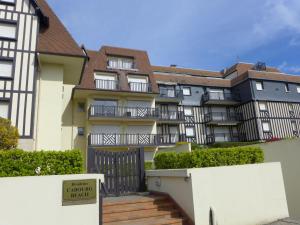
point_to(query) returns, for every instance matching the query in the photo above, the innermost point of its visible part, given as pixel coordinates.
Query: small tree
(8, 135)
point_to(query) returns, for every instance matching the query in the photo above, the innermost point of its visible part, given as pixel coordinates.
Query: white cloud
(285, 67)
(294, 42)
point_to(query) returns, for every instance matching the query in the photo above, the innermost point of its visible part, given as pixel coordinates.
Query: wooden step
(139, 215)
(162, 220)
(137, 207)
(139, 199)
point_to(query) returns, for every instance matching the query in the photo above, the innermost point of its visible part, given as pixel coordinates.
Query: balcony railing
(123, 112)
(220, 96)
(222, 117)
(224, 137)
(170, 93)
(133, 139)
(107, 84)
(139, 87)
(172, 116)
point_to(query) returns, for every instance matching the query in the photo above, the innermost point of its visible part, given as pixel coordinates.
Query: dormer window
(120, 63)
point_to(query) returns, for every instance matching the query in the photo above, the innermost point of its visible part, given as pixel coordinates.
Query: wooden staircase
(142, 210)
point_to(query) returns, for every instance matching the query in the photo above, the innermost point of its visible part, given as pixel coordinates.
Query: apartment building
(62, 96)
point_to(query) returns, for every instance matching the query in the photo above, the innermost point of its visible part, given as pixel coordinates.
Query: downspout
(37, 101)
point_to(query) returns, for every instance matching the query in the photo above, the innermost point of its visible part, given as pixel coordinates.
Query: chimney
(173, 65)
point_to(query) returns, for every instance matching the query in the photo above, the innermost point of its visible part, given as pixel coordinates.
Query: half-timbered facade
(62, 96)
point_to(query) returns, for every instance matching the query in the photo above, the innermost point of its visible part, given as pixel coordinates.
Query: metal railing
(223, 117)
(123, 112)
(170, 93)
(107, 84)
(220, 96)
(172, 116)
(133, 139)
(139, 87)
(224, 137)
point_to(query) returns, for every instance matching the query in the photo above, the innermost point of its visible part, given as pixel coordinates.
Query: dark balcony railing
(139, 87)
(122, 139)
(222, 117)
(107, 84)
(170, 93)
(224, 137)
(123, 112)
(172, 116)
(219, 96)
(133, 139)
(166, 139)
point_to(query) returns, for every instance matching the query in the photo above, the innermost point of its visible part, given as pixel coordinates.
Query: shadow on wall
(288, 153)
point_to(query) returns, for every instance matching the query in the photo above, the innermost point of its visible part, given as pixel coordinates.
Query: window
(6, 68)
(266, 126)
(7, 1)
(139, 84)
(190, 131)
(259, 85)
(294, 126)
(298, 89)
(106, 81)
(81, 107)
(262, 106)
(188, 111)
(120, 63)
(80, 131)
(186, 91)
(4, 109)
(287, 87)
(7, 30)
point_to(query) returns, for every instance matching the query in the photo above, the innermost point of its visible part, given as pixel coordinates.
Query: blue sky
(206, 34)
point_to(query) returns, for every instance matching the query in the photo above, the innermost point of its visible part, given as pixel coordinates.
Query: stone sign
(79, 192)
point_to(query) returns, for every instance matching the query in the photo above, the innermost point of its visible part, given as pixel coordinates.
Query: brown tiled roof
(192, 80)
(98, 62)
(244, 67)
(194, 72)
(55, 39)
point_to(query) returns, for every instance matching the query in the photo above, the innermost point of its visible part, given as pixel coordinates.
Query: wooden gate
(123, 171)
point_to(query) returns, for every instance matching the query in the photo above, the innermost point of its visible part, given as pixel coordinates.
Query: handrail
(223, 116)
(106, 84)
(139, 87)
(220, 96)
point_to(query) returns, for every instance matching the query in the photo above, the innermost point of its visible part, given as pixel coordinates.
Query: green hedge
(149, 165)
(209, 158)
(232, 144)
(20, 163)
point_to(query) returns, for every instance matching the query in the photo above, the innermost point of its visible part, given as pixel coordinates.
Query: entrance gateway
(124, 172)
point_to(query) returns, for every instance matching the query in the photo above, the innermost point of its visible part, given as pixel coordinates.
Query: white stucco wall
(38, 200)
(248, 194)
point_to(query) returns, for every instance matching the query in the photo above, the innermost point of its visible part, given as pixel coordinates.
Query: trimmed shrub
(209, 158)
(149, 165)
(20, 163)
(232, 144)
(8, 135)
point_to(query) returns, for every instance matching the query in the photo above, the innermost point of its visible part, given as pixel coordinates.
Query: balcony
(102, 140)
(222, 118)
(139, 87)
(224, 137)
(106, 140)
(171, 117)
(169, 95)
(107, 84)
(220, 98)
(98, 112)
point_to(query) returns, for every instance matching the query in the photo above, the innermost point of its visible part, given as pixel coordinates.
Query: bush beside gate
(209, 158)
(20, 163)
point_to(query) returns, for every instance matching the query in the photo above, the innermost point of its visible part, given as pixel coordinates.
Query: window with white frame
(298, 89)
(287, 87)
(7, 30)
(190, 131)
(6, 68)
(4, 109)
(294, 126)
(138, 83)
(259, 85)
(120, 63)
(188, 111)
(266, 126)
(263, 106)
(8, 1)
(106, 81)
(186, 91)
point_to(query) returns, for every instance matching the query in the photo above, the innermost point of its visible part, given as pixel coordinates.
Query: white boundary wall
(248, 194)
(38, 201)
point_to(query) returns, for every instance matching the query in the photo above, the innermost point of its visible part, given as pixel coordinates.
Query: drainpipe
(212, 217)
